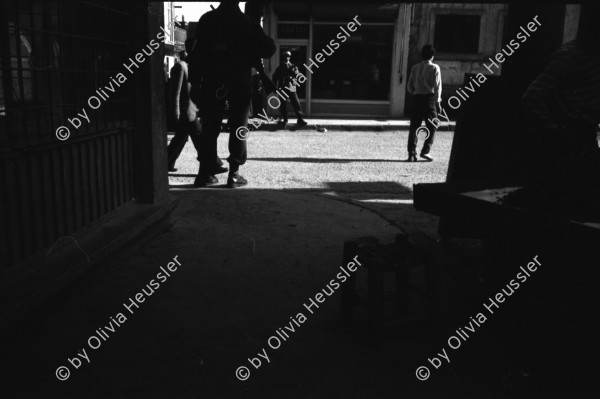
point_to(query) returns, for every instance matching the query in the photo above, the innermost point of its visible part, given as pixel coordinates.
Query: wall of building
(413, 25)
(364, 76)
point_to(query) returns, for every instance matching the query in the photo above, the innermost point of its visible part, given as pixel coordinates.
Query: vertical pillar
(270, 27)
(572, 13)
(400, 61)
(309, 51)
(149, 141)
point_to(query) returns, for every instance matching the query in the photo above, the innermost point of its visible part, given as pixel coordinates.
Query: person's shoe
(412, 158)
(301, 122)
(236, 180)
(205, 181)
(220, 169)
(427, 157)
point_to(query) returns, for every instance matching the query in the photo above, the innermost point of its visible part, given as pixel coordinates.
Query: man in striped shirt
(425, 84)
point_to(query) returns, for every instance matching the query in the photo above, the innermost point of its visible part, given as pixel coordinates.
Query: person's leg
(239, 104)
(296, 104)
(257, 106)
(415, 122)
(430, 112)
(256, 97)
(196, 135)
(212, 117)
(177, 143)
(195, 131)
(283, 110)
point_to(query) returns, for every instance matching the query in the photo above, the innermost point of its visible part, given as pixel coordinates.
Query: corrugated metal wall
(53, 57)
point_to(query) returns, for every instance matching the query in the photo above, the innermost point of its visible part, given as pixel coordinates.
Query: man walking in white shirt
(425, 84)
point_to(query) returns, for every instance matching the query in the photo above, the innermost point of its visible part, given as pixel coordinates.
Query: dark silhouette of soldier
(228, 44)
(283, 77)
(183, 112)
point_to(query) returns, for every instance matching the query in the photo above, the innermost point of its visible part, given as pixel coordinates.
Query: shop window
(455, 33)
(360, 69)
(293, 31)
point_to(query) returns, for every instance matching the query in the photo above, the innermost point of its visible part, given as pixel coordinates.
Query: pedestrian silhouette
(285, 80)
(228, 44)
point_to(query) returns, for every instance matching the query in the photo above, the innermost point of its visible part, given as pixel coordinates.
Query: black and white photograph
(299, 199)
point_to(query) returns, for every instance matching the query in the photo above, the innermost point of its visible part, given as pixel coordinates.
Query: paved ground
(250, 259)
(365, 167)
(378, 125)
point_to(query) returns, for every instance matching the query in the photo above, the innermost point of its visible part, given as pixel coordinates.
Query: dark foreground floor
(250, 259)
(236, 287)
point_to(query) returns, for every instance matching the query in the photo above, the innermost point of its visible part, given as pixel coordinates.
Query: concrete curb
(354, 126)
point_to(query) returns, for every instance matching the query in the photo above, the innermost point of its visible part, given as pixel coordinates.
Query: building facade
(363, 76)
(367, 75)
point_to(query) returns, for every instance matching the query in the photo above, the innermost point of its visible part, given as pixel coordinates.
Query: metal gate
(53, 58)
